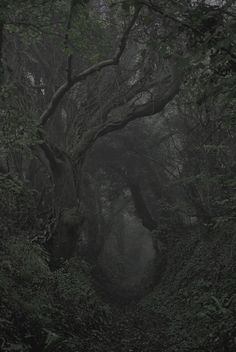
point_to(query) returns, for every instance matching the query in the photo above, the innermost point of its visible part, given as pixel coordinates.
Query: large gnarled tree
(79, 92)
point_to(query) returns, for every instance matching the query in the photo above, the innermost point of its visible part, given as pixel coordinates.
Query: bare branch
(153, 106)
(127, 95)
(68, 28)
(64, 88)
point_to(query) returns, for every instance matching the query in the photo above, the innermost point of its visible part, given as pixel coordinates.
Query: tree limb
(68, 28)
(153, 106)
(64, 88)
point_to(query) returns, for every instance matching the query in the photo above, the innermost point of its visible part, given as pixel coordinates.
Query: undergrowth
(192, 308)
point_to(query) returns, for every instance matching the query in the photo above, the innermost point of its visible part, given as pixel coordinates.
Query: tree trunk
(66, 207)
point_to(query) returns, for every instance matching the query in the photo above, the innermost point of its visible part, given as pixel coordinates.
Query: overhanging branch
(64, 88)
(153, 106)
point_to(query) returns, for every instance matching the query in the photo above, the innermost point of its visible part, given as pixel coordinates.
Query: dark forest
(117, 176)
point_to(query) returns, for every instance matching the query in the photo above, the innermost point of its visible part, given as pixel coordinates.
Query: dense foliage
(117, 176)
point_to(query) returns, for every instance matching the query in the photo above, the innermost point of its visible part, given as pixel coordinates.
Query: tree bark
(66, 207)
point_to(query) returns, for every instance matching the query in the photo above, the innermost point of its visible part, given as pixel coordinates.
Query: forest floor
(192, 308)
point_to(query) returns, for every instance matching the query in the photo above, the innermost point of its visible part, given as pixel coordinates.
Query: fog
(128, 256)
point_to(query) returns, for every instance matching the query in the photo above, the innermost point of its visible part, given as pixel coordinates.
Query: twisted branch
(65, 87)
